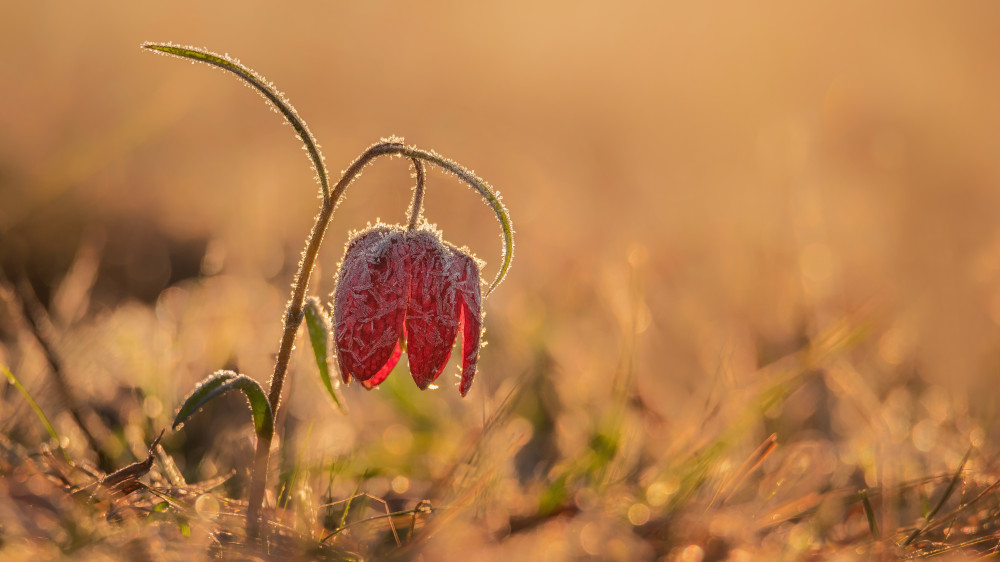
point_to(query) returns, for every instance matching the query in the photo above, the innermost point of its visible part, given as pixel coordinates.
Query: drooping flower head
(406, 290)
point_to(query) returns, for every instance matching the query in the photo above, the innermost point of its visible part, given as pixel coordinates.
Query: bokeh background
(698, 191)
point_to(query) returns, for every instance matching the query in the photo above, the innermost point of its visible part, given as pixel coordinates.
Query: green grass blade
(264, 87)
(219, 383)
(318, 324)
(952, 486)
(288, 488)
(870, 514)
(34, 406)
(347, 506)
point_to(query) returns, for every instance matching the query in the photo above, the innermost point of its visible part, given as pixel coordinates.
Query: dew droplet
(207, 506)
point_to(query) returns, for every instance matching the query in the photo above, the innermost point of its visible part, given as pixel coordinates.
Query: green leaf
(265, 88)
(184, 527)
(318, 324)
(219, 383)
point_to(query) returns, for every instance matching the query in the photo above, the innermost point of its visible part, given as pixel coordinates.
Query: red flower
(405, 290)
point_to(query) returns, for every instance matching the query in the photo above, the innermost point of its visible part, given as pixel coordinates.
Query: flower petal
(380, 376)
(464, 273)
(369, 303)
(431, 319)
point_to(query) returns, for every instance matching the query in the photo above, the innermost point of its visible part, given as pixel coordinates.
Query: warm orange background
(697, 189)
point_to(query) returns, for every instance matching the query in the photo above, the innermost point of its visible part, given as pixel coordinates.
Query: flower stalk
(330, 197)
(417, 206)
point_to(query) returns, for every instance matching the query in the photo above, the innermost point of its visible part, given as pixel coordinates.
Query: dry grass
(754, 310)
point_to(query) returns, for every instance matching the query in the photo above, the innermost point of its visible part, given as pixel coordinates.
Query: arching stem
(266, 89)
(293, 314)
(294, 311)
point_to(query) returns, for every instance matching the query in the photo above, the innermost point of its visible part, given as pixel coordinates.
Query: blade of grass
(780, 378)
(749, 465)
(389, 515)
(347, 507)
(870, 514)
(170, 469)
(286, 491)
(944, 497)
(38, 410)
(42, 330)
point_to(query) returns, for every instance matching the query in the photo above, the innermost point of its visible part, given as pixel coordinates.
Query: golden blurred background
(698, 190)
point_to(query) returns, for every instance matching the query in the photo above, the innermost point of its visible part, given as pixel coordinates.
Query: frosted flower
(406, 290)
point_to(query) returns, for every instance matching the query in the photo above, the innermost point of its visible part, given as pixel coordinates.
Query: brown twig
(125, 480)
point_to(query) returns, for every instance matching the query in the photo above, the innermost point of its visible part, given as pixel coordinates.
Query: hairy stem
(266, 89)
(417, 206)
(395, 147)
(293, 319)
(294, 312)
(488, 194)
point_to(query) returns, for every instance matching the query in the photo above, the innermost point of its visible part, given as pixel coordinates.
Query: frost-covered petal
(464, 275)
(380, 376)
(431, 319)
(370, 302)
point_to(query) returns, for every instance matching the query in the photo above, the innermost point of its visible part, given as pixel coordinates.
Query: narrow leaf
(38, 410)
(197, 398)
(870, 513)
(219, 383)
(944, 497)
(265, 88)
(318, 324)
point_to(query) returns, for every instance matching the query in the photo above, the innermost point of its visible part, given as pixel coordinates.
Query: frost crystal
(406, 290)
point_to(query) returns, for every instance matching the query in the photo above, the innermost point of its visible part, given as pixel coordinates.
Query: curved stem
(293, 319)
(293, 314)
(266, 89)
(294, 310)
(417, 206)
(488, 193)
(395, 147)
